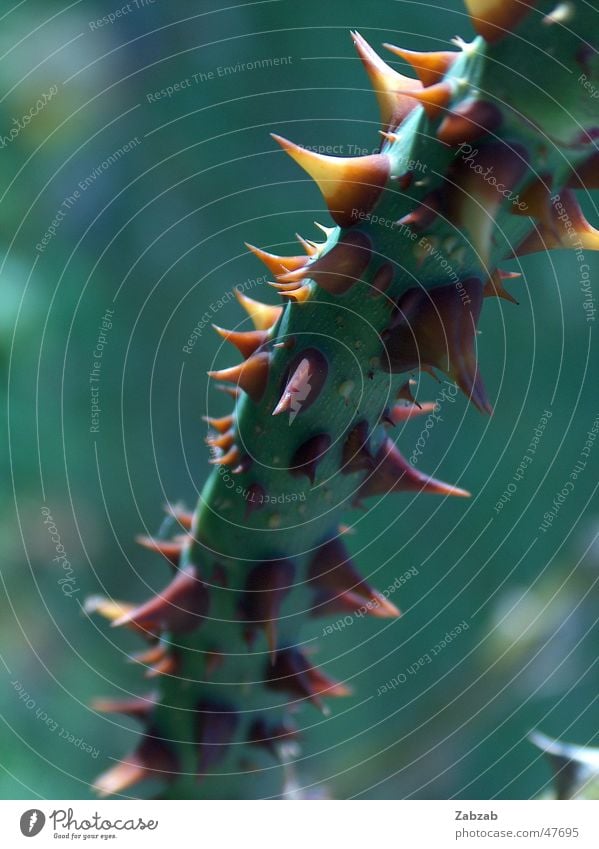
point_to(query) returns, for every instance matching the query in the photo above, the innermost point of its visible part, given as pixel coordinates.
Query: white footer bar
(301, 825)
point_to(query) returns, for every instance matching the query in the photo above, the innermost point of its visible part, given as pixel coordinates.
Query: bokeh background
(157, 236)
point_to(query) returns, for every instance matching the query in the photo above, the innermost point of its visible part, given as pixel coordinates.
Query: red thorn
(468, 121)
(424, 215)
(138, 708)
(437, 328)
(308, 456)
(270, 735)
(336, 579)
(338, 269)
(169, 548)
(180, 607)
(183, 517)
(151, 759)
(216, 726)
(405, 412)
(392, 473)
(247, 342)
(266, 587)
(292, 673)
(251, 375)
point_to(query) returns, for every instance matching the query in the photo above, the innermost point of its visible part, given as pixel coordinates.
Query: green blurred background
(157, 236)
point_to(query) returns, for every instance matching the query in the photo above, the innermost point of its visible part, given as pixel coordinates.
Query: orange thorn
(346, 183)
(387, 83)
(263, 316)
(430, 67)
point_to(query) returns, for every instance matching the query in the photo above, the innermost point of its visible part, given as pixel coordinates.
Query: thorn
(215, 730)
(338, 269)
(171, 549)
(311, 248)
(263, 316)
(151, 759)
(405, 392)
(494, 19)
(437, 328)
(585, 175)
(180, 607)
(284, 287)
(430, 67)
(244, 466)
(434, 98)
(231, 458)
(233, 391)
(182, 516)
(299, 296)
(588, 236)
(125, 774)
(335, 578)
(138, 708)
(271, 735)
(246, 342)
(382, 280)
(392, 138)
(251, 375)
(392, 473)
(346, 183)
(474, 203)
(167, 666)
(108, 608)
(303, 383)
(309, 455)
(266, 587)
(494, 287)
(405, 412)
(328, 231)
(155, 654)
(468, 121)
(424, 215)
(225, 442)
(355, 456)
(277, 264)
(387, 83)
(293, 673)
